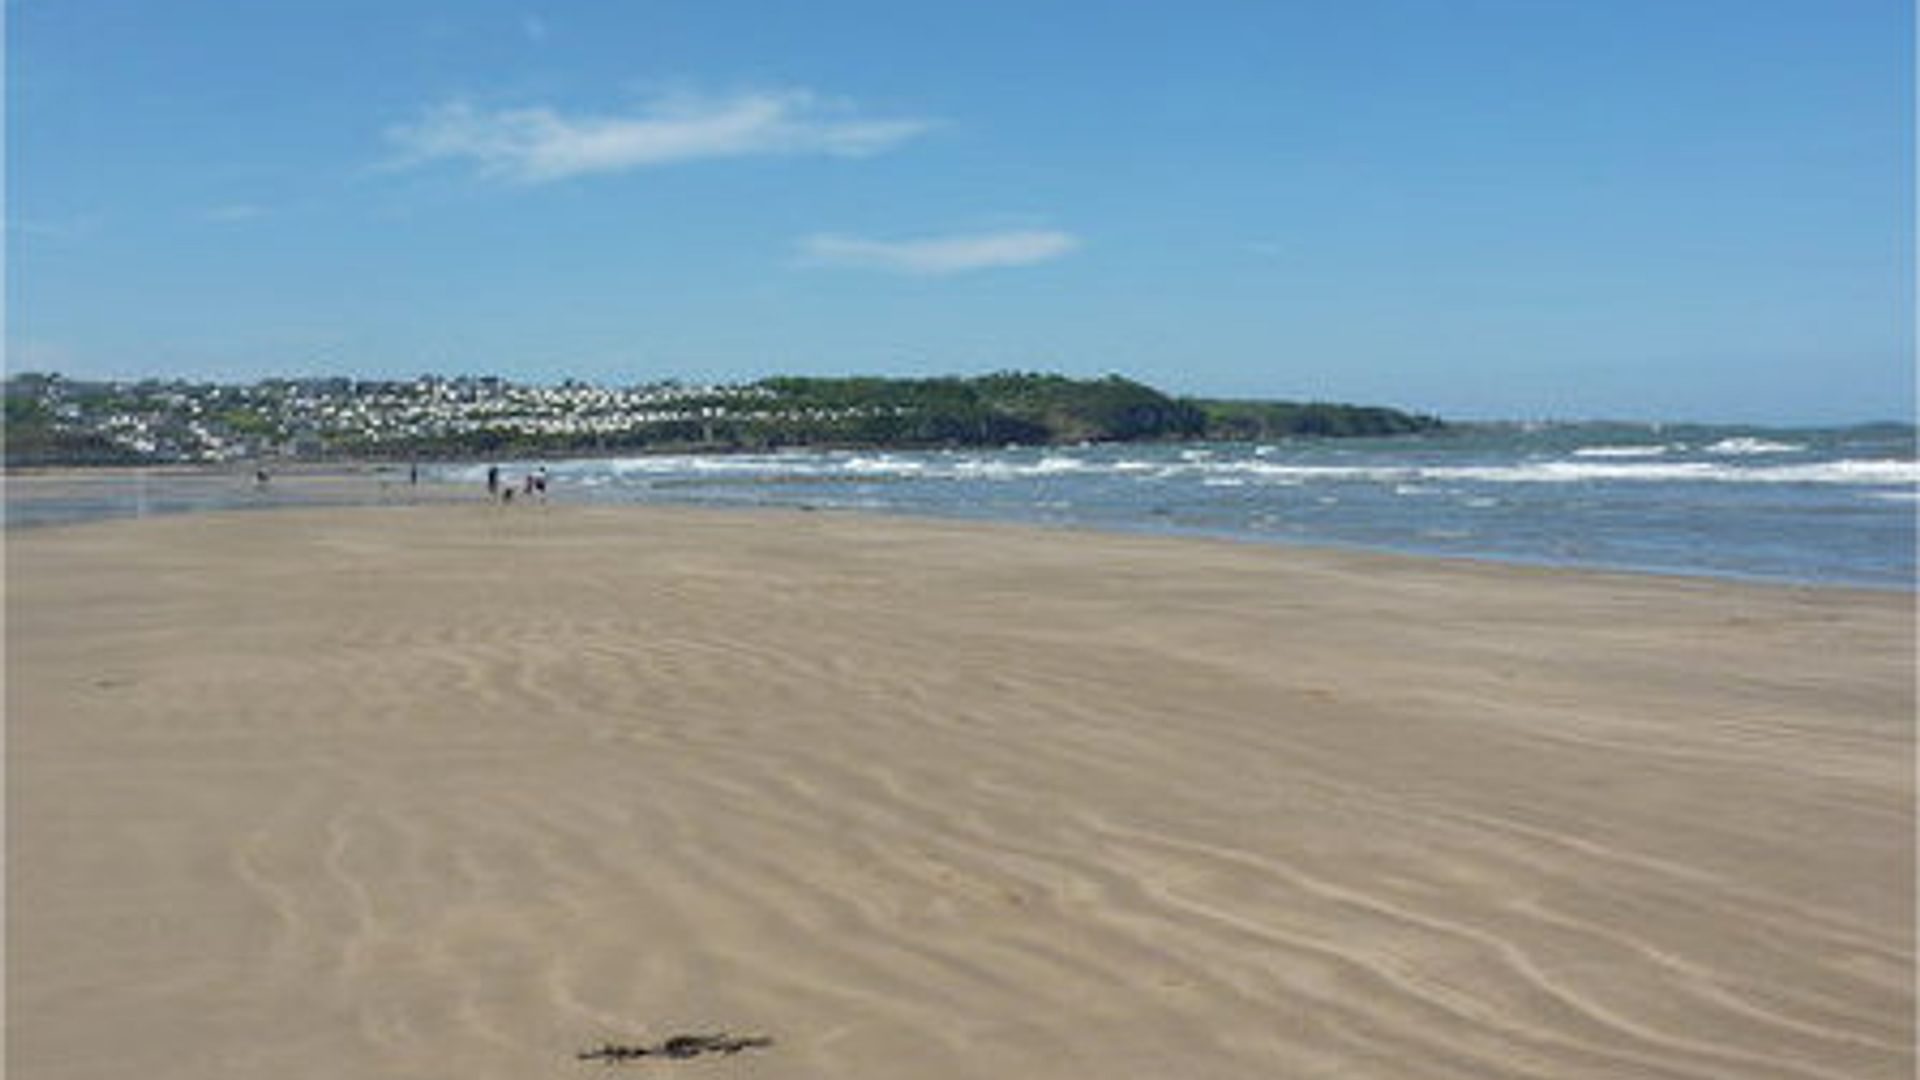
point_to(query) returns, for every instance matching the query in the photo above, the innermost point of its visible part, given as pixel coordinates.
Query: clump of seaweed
(678, 1047)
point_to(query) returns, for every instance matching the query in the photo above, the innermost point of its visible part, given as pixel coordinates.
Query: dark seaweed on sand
(677, 1047)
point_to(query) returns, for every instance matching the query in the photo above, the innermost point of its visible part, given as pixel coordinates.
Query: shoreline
(411, 791)
(329, 488)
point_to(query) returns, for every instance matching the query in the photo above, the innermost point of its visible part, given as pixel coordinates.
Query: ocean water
(1810, 506)
(1827, 506)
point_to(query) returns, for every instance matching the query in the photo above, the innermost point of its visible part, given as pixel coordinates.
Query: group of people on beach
(533, 485)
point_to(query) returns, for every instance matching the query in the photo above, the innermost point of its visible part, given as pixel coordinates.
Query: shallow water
(1832, 506)
(1817, 506)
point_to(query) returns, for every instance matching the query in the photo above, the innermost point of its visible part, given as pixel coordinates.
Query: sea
(1806, 506)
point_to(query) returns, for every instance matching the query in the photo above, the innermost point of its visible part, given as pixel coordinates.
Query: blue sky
(1684, 209)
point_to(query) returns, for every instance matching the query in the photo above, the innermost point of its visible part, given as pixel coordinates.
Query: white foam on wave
(983, 469)
(1409, 479)
(1744, 445)
(1875, 472)
(1564, 472)
(882, 465)
(1272, 471)
(1853, 471)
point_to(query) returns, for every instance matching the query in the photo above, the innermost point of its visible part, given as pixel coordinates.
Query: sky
(1524, 209)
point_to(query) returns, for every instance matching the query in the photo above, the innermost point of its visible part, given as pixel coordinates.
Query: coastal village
(211, 422)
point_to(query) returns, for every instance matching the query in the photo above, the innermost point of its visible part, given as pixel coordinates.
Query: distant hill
(987, 411)
(1014, 407)
(52, 420)
(1229, 421)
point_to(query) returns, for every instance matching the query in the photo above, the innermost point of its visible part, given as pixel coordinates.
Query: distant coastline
(52, 420)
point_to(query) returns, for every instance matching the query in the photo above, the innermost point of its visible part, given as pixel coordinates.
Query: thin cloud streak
(939, 255)
(539, 145)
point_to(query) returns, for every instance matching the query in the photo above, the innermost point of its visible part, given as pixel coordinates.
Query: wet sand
(37, 497)
(419, 791)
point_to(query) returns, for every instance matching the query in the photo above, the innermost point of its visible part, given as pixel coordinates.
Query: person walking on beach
(493, 482)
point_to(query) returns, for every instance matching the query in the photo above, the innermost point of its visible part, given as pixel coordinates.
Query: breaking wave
(1583, 466)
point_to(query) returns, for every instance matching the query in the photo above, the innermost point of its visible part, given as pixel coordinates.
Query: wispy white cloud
(539, 144)
(940, 254)
(534, 27)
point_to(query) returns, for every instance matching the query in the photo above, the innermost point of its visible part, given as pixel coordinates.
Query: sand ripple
(445, 792)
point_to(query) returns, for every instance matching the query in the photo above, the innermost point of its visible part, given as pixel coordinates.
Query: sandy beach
(450, 791)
